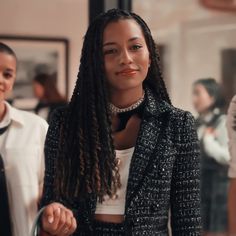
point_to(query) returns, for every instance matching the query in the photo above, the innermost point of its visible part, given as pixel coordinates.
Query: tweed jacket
(164, 175)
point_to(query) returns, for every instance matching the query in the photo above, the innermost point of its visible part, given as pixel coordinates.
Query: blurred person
(231, 126)
(45, 89)
(211, 127)
(120, 156)
(22, 136)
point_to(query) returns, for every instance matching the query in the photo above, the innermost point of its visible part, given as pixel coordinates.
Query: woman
(45, 89)
(231, 126)
(212, 133)
(120, 156)
(21, 156)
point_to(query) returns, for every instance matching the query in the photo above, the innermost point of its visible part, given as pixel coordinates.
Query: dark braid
(86, 157)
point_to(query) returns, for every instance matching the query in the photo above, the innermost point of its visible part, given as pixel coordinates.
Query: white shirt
(117, 206)
(216, 145)
(22, 150)
(232, 137)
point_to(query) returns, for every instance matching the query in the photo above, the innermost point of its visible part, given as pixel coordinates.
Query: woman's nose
(125, 57)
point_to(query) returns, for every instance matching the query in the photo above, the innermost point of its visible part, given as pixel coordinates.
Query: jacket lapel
(145, 146)
(150, 130)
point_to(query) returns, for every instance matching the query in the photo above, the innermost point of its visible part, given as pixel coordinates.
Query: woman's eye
(110, 51)
(7, 75)
(136, 47)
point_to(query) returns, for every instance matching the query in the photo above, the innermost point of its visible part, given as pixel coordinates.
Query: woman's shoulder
(55, 126)
(28, 118)
(182, 127)
(181, 124)
(57, 116)
(180, 116)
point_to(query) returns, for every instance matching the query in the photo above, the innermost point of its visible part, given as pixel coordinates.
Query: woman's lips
(127, 72)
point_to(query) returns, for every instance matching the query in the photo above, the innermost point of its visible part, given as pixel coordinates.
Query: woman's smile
(129, 72)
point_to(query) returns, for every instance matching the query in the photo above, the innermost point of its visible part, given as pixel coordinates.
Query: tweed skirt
(108, 229)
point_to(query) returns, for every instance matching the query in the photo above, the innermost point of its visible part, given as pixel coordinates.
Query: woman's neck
(125, 98)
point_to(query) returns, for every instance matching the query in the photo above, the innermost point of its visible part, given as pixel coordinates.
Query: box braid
(86, 160)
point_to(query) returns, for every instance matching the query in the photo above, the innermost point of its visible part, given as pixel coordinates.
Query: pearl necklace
(115, 110)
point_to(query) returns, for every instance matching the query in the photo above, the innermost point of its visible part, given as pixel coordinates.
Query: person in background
(45, 89)
(231, 126)
(22, 136)
(120, 156)
(211, 126)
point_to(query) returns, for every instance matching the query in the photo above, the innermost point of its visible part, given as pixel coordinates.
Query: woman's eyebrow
(108, 43)
(113, 43)
(9, 70)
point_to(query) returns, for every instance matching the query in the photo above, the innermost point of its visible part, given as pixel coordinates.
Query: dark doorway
(228, 62)
(98, 6)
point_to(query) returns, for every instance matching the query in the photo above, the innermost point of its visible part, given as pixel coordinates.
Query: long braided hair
(86, 160)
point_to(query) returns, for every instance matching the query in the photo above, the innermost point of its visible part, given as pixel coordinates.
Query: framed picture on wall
(36, 55)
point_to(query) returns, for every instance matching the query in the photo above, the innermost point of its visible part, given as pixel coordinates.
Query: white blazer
(232, 137)
(22, 150)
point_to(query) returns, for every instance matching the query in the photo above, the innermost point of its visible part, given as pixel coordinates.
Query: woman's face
(38, 90)
(7, 74)
(202, 101)
(126, 55)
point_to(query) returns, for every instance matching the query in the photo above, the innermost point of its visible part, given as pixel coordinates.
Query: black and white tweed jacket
(164, 175)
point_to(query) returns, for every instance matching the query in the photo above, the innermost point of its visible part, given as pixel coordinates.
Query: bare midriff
(109, 218)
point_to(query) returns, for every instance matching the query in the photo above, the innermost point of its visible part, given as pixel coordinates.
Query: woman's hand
(58, 220)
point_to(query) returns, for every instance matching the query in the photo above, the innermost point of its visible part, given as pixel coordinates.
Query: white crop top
(117, 206)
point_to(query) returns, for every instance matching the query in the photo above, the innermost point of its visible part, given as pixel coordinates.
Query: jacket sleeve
(185, 186)
(50, 151)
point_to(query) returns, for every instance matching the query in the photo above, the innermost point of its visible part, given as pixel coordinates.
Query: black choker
(125, 116)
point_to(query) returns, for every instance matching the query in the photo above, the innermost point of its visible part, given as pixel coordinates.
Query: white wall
(50, 18)
(194, 37)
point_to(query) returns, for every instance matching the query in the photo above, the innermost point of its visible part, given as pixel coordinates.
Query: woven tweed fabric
(107, 229)
(164, 175)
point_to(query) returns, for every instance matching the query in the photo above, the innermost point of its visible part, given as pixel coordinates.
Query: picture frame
(37, 55)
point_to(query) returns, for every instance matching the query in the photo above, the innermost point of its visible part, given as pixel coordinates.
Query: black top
(125, 116)
(164, 174)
